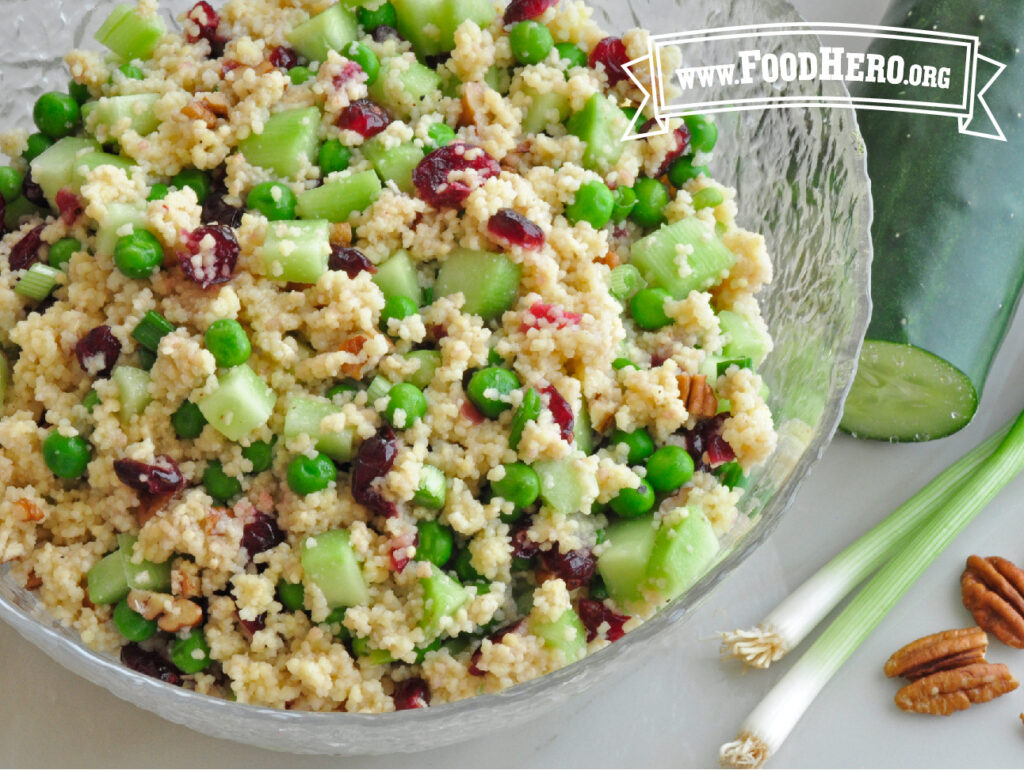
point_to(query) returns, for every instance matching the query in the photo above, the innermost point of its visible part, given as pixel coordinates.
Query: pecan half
(699, 397)
(993, 592)
(944, 692)
(938, 652)
(174, 613)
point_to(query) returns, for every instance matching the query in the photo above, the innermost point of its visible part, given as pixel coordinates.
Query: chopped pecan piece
(341, 234)
(944, 692)
(699, 397)
(993, 592)
(353, 345)
(938, 652)
(29, 510)
(172, 613)
(197, 110)
(611, 259)
(32, 581)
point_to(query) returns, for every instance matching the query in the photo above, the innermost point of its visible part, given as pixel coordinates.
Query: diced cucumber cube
(111, 578)
(119, 217)
(288, 143)
(330, 30)
(681, 554)
(488, 281)
(241, 403)
(430, 24)
(544, 109)
(601, 124)
(433, 488)
(583, 434)
(146, 575)
(93, 160)
(566, 634)
(397, 277)
(395, 164)
(499, 79)
(744, 338)
(443, 596)
(52, 170)
(623, 562)
(297, 252)
(658, 258)
(111, 110)
(132, 390)
(129, 34)
(430, 362)
(561, 484)
(339, 198)
(418, 81)
(305, 416)
(329, 562)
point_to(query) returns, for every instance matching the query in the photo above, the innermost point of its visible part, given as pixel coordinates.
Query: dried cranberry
(611, 52)
(518, 627)
(206, 266)
(32, 192)
(69, 205)
(349, 72)
(207, 23)
(149, 663)
(706, 445)
(25, 252)
(431, 176)
(365, 117)
(284, 57)
(400, 550)
(352, 261)
(97, 352)
(261, 534)
(561, 411)
(252, 626)
(471, 413)
(383, 33)
(523, 10)
(593, 613)
(576, 568)
(217, 211)
(376, 456)
(509, 225)
(522, 546)
(411, 694)
(543, 314)
(682, 135)
(160, 478)
(436, 60)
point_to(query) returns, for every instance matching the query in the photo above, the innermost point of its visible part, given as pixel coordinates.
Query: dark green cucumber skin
(948, 230)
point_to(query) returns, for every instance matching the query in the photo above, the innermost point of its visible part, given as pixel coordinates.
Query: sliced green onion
(379, 387)
(625, 281)
(38, 282)
(768, 726)
(151, 329)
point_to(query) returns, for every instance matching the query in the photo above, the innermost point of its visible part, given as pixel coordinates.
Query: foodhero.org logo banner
(771, 66)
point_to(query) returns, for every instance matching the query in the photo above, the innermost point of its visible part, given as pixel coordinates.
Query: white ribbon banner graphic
(771, 66)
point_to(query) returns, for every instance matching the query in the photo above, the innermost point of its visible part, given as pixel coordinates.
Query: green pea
(37, 145)
(228, 342)
(528, 410)
(334, 156)
(464, 567)
(341, 389)
(198, 180)
(220, 486)
(57, 115)
(531, 42)
(648, 309)
(436, 542)
(640, 443)
(10, 183)
(138, 255)
(630, 503)
(383, 16)
(260, 454)
(364, 56)
(703, 133)
(61, 251)
(131, 625)
(397, 307)
(708, 198)
(682, 171)
(291, 595)
(406, 405)
(625, 202)
(622, 363)
(669, 468)
(188, 422)
(307, 475)
(79, 92)
(158, 192)
(440, 135)
(488, 390)
(66, 456)
(273, 200)
(191, 653)
(300, 75)
(573, 55)
(520, 485)
(651, 199)
(594, 203)
(91, 400)
(131, 72)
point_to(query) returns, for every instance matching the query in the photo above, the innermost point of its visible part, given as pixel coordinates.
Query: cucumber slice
(623, 563)
(430, 24)
(656, 257)
(746, 341)
(132, 390)
(297, 252)
(119, 217)
(443, 596)
(93, 160)
(337, 199)
(681, 554)
(288, 143)
(488, 281)
(52, 170)
(330, 30)
(561, 485)
(429, 361)
(305, 415)
(904, 393)
(566, 634)
(397, 278)
(241, 403)
(601, 124)
(129, 34)
(395, 164)
(418, 81)
(329, 562)
(544, 109)
(111, 110)
(111, 578)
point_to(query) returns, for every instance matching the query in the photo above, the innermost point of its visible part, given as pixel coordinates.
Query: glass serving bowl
(801, 179)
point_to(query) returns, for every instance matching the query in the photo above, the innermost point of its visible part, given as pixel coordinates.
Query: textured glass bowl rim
(148, 692)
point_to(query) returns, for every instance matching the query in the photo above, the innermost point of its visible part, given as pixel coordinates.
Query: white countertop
(684, 702)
